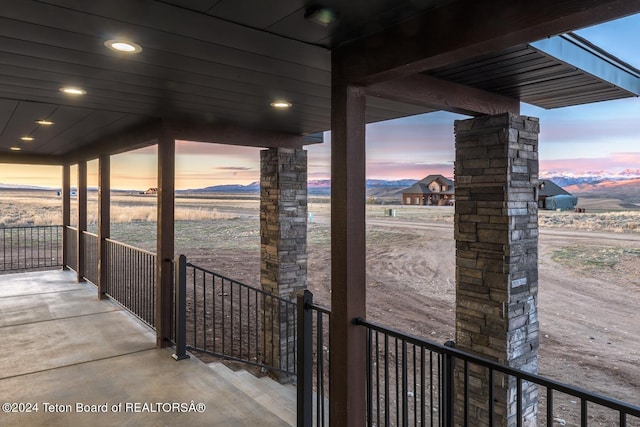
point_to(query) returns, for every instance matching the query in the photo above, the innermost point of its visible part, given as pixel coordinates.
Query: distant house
(432, 190)
(552, 196)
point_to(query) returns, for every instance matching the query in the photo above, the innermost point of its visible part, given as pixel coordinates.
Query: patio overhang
(555, 72)
(217, 67)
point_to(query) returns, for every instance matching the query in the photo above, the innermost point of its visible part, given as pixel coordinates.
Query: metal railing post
(305, 360)
(181, 312)
(448, 380)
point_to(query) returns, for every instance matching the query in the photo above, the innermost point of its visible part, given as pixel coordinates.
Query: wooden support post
(104, 220)
(348, 256)
(66, 214)
(82, 218)
(165, 242)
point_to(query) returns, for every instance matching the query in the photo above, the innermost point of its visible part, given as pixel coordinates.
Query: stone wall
(283, 236)
(496, 232)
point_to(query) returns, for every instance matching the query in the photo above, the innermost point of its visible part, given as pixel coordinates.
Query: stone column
(283, 237)
(496, 232)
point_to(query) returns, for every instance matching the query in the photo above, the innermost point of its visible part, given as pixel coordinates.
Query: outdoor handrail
(131, 281)
(144, 251)
(242, 285)
(240, 322)
(28, 247)
(578, 392)
(313, 366)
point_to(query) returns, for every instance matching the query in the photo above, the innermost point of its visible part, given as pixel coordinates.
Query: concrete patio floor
(62, 347)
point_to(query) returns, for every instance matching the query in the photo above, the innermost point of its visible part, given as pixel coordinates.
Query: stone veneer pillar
(283, 236)
(496, 232)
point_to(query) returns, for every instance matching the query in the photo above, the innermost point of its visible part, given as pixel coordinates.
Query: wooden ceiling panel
(263, 15)
(156, 24)
(224, 61)
(533, 76)
(164, 50)
(196, 5)
(82, 131)
(187, 71)
(23, 123)
(7, 109)
(356, 19)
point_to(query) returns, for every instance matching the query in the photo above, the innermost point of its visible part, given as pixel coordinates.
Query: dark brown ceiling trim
(441, 94)
(462, 30)
(230, 134)
(130, 139)
(31, 159)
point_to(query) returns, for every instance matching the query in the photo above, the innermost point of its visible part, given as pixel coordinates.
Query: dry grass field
(589, 282)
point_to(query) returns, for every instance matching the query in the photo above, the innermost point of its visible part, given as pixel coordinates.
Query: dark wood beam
(130, 139)
(165, 238)
(462, 30)
(82, 219)
(348, 255)
(231, 134)
(66, 215)
(31, 159)
(441, 94)
(104, 220)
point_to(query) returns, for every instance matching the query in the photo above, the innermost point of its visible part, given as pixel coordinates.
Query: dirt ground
(589, 294)
(589, 280)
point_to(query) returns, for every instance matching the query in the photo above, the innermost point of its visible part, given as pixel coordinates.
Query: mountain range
(624, 185)
(317, 187)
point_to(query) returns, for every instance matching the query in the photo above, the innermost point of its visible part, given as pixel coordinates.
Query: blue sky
(601, 138)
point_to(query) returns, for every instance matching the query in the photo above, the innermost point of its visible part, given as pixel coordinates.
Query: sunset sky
(603, 137)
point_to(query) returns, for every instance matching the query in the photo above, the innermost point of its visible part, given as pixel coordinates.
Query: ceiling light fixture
(27, 138)
(69, 90)
(281, 104)
(321, 15)
(123, 46)
(14, 148)
(45, 122)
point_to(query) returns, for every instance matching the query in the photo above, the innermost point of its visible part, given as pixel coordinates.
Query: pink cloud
(615, 163)
(407, 170)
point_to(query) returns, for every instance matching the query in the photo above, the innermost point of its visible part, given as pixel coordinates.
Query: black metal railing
(131, 279)
(313, 364)
(412, 381)
(29, 248)
(229, 319)
(71, 247)
(91, 243)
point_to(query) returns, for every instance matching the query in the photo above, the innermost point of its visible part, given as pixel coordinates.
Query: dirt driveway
(589, 295)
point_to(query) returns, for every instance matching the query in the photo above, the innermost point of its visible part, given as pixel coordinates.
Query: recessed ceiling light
(123, 46)
(45, 122)
(320, 15)
(69, 90)
(26, 138)
(14, 148)
(281, 104)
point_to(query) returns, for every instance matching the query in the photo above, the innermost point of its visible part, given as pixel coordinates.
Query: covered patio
(63, 348)
(87, 80)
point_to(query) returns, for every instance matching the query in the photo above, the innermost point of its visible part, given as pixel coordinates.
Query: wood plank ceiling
(202, 61)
